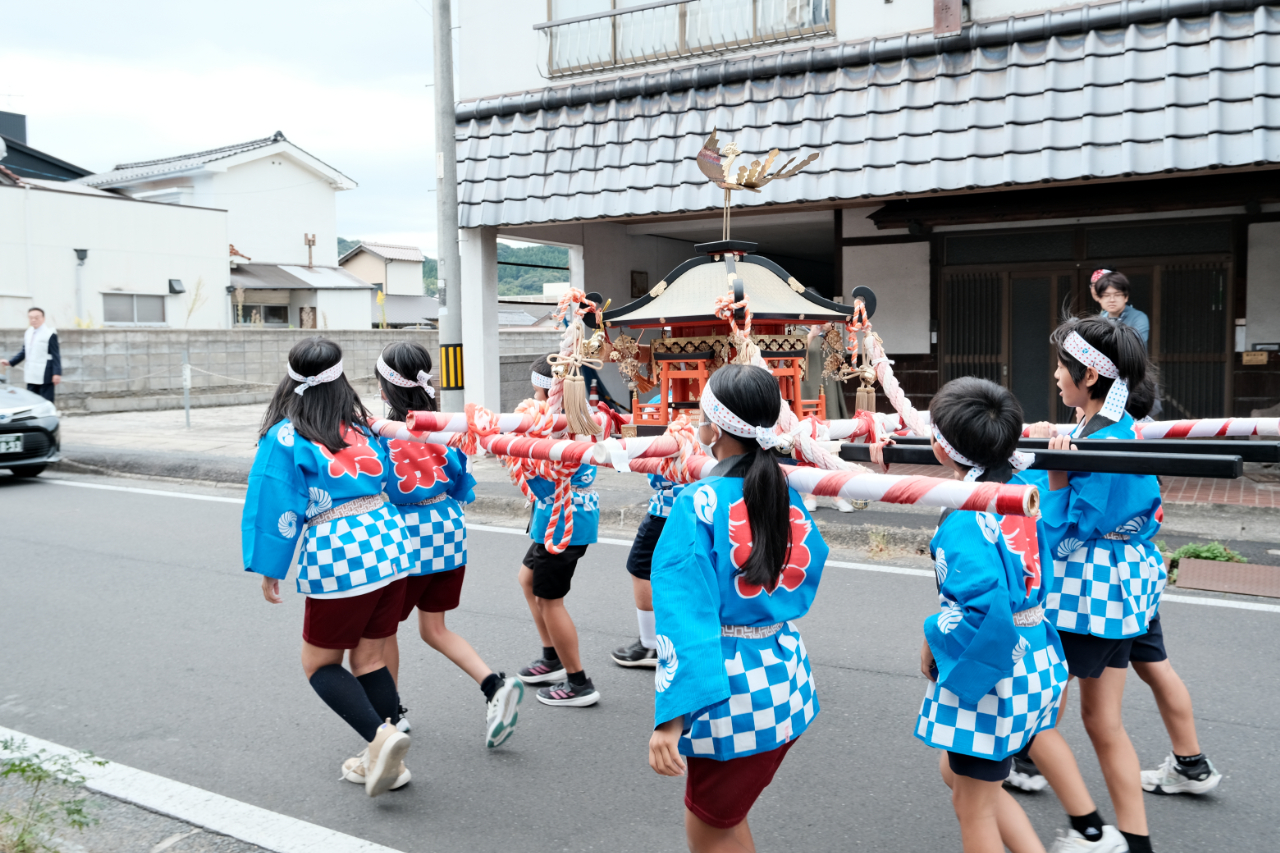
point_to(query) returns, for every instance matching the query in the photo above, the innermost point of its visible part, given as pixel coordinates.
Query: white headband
(423, 381)
(541, 381)
(327, 375)
(1088, 355)
(1020, 460)
(720, 415)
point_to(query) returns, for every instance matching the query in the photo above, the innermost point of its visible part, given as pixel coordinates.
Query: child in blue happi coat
(546, 574)
(430, 484)
(994, 663)
(319, 475)
(738, 559)
(644, 651)
(1107, 574)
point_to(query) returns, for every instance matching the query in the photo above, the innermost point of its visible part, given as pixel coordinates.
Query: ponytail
(752, 394)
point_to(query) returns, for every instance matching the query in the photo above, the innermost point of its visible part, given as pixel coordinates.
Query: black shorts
(640, 560)
(552, 573)
(1149, 648)
(983, 769)
(1088, 656)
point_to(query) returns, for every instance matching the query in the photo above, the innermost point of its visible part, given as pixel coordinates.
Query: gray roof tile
(1186, 94)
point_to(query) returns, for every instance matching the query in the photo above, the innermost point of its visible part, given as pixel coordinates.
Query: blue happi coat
(294, 480)
(738, 695)
(998, 682)
(586, 508)
(1107, 574)
(665, 494)
(430, 484)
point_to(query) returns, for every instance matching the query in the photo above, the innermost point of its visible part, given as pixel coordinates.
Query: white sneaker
(810, 503)
(503, 711)
(1073, 842)
(353, 771)
(1167, 780)
(383, 758)
(841, 504)
(403, 725)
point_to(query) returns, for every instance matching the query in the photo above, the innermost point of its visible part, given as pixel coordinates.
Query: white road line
(159, 492)
(862, 567)
(248, 823)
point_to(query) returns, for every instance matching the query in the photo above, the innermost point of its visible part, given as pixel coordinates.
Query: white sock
(648, 628)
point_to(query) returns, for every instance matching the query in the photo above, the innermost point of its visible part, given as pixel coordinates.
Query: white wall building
(973, 170)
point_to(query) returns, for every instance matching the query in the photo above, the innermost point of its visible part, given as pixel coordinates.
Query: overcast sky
(103, 83)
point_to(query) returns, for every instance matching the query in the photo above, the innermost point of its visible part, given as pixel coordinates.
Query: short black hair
(1118, 280)
(542, 367)
(34, 308)
(1115, 340)
(408, 358)
(979, 418)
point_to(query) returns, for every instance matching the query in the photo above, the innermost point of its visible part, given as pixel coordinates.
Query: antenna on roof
(310, 240)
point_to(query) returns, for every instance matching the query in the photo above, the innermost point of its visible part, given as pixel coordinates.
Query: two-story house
(978, 161)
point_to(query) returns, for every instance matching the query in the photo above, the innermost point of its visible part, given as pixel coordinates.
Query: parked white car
(28, 431)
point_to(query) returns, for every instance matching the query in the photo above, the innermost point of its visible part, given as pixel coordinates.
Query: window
(262, 315)
(132, 308)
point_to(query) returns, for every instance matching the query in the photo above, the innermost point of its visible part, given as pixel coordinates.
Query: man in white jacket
(41, 353)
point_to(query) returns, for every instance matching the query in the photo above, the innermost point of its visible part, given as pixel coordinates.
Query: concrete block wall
(130, 369)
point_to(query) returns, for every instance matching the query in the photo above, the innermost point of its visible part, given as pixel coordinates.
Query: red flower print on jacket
(793, 573)
(418, 465)
(1020, 538)
(355, 459)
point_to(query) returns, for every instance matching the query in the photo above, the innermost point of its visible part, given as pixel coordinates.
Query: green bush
(1196, 551)
(48, 803)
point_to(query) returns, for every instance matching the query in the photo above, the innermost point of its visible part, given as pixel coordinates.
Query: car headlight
(44, 410)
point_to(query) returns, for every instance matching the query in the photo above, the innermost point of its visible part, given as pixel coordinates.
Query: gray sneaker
(568, 693)
(635, 655)
(1170, 780)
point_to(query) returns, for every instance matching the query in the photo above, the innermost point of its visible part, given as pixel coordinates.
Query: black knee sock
(1089, 825)
(344, 694)
(579, 678)
(380, 687)
(490, 685)
(549, 653)
(1137, 843)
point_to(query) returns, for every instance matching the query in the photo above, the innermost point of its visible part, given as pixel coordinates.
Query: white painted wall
(1263, 301)
(343, 309)
(404, 278)
(899, 275)
(478, 249)
(134, 247)
(270, 204)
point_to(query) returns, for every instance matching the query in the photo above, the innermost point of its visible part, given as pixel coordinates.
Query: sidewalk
(220, 445)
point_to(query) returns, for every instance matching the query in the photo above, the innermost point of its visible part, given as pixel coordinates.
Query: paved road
(127, 628)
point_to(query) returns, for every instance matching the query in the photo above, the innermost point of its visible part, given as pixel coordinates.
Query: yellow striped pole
(451, 378)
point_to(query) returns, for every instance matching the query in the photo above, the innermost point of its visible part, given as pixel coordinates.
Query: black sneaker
(542, 671)
(1025, 776)
(635, 655)
(568, 693)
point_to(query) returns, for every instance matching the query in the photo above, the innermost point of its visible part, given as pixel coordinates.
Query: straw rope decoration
(746, 351)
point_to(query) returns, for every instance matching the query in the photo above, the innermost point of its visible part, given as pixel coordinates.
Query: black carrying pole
(1249, 451)
(1082, 461)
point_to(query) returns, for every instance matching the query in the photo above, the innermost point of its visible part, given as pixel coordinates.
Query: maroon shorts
(434, 593)
(340, 623)
(720, 793)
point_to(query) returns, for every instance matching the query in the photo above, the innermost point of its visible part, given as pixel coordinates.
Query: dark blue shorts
(984, 769)
(1088, 655)
(1149, 648)
(640, 560)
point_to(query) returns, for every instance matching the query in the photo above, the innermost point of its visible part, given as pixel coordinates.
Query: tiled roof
(387, 251)
(125, 173)
(1178, 95)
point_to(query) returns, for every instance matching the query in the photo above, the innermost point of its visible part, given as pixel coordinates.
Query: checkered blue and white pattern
(436, 535)
(772, 699)
(665, 495)
(1003, 720)
(1108, 588)
(586, 501)
(353, 551)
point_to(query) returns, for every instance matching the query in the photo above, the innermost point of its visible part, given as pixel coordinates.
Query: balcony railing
(665, 30)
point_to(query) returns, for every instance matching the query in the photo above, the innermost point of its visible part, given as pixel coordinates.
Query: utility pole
(449, 262)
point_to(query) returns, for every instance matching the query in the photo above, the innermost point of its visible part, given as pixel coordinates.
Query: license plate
(11, 443)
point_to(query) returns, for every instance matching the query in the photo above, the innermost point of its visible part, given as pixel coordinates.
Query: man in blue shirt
(1111, 291)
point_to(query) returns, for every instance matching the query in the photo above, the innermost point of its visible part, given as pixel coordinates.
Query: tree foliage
(512, 280)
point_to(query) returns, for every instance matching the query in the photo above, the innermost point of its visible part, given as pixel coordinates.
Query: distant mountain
(345, 245)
